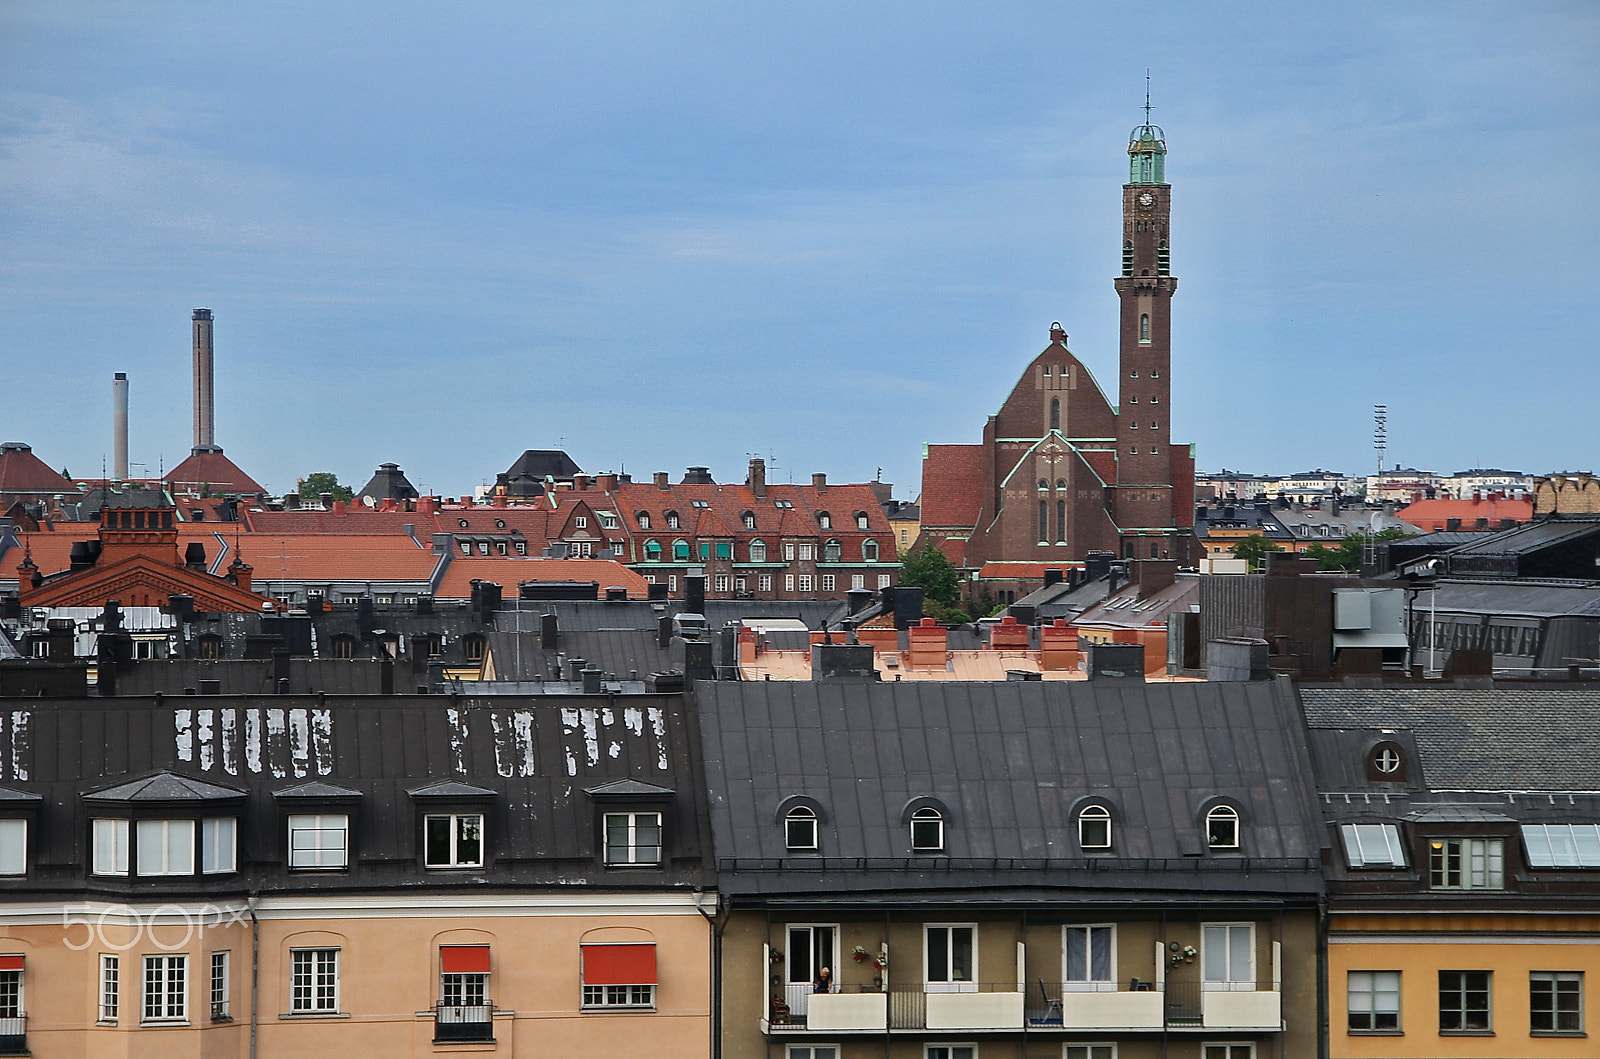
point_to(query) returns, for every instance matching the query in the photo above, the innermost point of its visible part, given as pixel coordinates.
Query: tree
(1346, 555)
(925, 567)
(1254, 549)
(316, 483)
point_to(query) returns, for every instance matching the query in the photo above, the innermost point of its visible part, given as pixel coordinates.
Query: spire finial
(1147, 96)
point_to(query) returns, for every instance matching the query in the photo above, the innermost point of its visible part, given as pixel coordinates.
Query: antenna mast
(1380, 432)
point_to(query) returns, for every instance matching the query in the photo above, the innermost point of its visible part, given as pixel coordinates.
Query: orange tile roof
(360, 520)
(23, 472)
(329, 557)
(211, 470)
(1433, 514)
(509, 571)
(952, 485)
(1033, 571)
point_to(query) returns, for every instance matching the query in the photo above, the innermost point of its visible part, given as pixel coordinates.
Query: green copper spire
(1147, 148)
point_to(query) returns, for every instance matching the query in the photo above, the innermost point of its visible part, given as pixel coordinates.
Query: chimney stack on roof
(758, 478)
(119, 426)
(205, 397)
(819, 482)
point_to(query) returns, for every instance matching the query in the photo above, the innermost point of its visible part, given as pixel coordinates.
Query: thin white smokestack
(119, 426)
(205, 409)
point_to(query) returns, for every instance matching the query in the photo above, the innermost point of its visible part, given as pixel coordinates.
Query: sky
(659, 235)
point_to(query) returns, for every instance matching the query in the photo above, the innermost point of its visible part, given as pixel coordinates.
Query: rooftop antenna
(1380, 432)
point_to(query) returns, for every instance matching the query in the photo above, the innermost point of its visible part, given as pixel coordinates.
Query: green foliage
(1346, 555)
(925, 567)
(316, 483)
(1254, 548)
(944, 615)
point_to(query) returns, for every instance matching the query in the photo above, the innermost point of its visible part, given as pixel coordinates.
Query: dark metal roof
(1485, 739)
(164, 787)
(1010, 762)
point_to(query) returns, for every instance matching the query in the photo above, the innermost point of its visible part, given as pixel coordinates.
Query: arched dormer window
(831, 550)
(1055, 413)
(927, 830)
(861, 520)
(652, 551)
(749, 519)
(1094, 827)
(643, 518)
(673, 522)
(758, 551)
(1222, 827)
(680, 551)
(1386, 762)
(800, 828)
(824, 520)
(869, 551)
(1144, 328)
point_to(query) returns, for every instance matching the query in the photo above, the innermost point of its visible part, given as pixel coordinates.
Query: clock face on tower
(1147, 200)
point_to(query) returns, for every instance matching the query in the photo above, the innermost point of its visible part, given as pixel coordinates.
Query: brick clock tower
(1154, 520)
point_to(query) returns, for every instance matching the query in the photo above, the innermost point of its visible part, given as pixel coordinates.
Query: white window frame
(314, 981)
(219, 845)
(633, 853)
(110, 841)
(636, 997)
(1227, 977)
(13, 847)
(925, 816)
(221, 992)
(884, 580)
(1373, 845)
(808, 551)
(165, 847)
(1094, 816)
(805, 582)
(721, 583)
(12, 1000)
(1080, 979)
(788, 582)
(949, 983)
(110, 987)
(788, 551)
(858, 581)
(1218, 813)
(764, 582)
(169, 1000)
(456, 823)
(308, 841)
(803, 817)
(828, 583)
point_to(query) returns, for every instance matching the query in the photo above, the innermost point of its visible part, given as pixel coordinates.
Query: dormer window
(1094, 827)
(927, 830)
(1466, 863)
(800, 828)
(164, 825)
(1373, 845)
(869, 551)
(454, 824)
(831, 551)
(1222, 827)
(758, 551)
(1386, 763)
(749, 519)
(632, 822)
(824, 520)
(861, 520)
(673, 522)
(643, 518)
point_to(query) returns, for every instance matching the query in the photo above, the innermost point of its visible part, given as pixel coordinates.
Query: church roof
(952, 485)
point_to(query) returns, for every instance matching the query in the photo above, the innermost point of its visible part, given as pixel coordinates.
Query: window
(1222, 827)
(800, 828)
(831, 551)
(827, 582)
(643, 518)
(807, 551)
(219, 988)
(218, 850)
(11, 1002)
(619, 976)
(1044, 521)
(313, 981)
(608, 520)
(869, 551)
(788, 582)
(1374, 1001)
(344, 647)
(110, 847)
(1228, 1051)
(950, 959)
(1061, 519)
(1090, 958)
(110, 987)
(1466, 863)
(1228, 956)
(473, 647)
(672, 520)
(1463, 1001)
(749, 519)
(883, 580)
(722, 582)
(633, 838)
(1555, 1001)
(1562, 845)
(680, 550)
(788, 551)
(166, 988)
(319, 841)
(758, 551)
(1373, 845)
(739, 584)
(1386, 763)
(764, 583)
(927, 830)
(672, 582)
(453, 840)
(785, 505)
(824, 520)
(951, 1051)
(805, 582)
(166, 847)
(812, 1051)
(1091, 1051)
(652, 551)
(858, 581)
(13, 847)
(1144, 328)
(464, 1012)
(861, 520)
(1055, 413)
(1094, 827)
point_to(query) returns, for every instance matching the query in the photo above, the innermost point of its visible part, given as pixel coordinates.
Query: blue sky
(660, 235)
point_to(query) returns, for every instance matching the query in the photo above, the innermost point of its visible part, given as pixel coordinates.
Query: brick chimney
(819, 482)
(929, 643)
(663, 480)
(758, 478)
(240, 573)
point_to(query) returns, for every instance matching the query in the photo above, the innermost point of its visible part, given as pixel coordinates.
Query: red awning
(14, 963)
(464, 959)
(619, 964)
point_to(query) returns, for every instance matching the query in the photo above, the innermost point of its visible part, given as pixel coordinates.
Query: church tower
(1145, 509)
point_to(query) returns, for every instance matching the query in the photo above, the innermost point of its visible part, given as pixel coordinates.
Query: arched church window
(1055, 413)
(1061, 522)
(1044, 483)
(1144, 327)
(1061, 483)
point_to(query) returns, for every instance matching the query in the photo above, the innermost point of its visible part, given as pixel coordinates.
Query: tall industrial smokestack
(205, 408)
(119, 426)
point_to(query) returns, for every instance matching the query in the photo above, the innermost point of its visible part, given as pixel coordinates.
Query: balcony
(1223, 1006)
(456, 1023)
(1054, 1005)
(14, 1035)
(977, 1006)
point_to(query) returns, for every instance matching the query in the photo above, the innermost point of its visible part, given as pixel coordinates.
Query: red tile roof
(23, 472)
(510, 571)
(358, 519)
(1433, 515)
(213, 471)
(952, 485)
(1022, 570)
(329, 557)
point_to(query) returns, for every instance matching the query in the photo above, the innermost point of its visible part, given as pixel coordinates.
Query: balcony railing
(14, 1035)
(1071, 1006)
(463, 1022)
